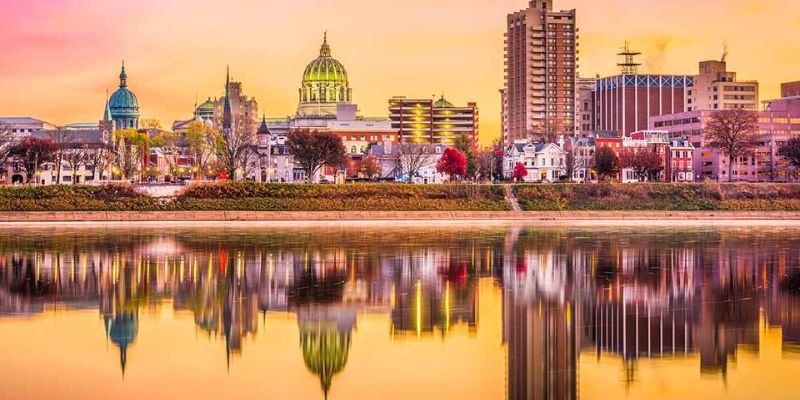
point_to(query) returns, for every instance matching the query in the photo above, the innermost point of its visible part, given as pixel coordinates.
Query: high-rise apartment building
(716, 88)
(540, 69)
(435, 122)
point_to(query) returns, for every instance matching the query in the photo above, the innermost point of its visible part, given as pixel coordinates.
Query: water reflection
(620, 296)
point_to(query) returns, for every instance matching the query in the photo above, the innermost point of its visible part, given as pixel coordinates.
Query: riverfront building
(540, 69)
(778, 123)
(435, 122)
(716, 88)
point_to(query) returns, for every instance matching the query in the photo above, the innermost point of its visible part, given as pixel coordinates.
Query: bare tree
(413, 157)
(485, 163)
(543, 136)
(98, 160)
(76, 158)
(733, 132)
(6, 145)
(235, 150)
(62, 138)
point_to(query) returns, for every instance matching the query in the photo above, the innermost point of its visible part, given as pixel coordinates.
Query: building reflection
(663, 294)
(227, 285)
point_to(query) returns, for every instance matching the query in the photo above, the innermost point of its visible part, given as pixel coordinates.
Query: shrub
(75, 198)
(356, 197)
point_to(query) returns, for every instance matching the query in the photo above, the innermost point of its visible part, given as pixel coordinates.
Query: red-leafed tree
(33, 152)
(452, 163)
(520, 172)
(645, 163)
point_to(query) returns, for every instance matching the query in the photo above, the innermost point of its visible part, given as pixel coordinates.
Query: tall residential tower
(540, 70)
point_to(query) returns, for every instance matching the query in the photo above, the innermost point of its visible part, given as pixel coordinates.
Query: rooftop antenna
(629, 67)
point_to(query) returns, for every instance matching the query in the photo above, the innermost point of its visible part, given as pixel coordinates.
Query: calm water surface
(408, 313)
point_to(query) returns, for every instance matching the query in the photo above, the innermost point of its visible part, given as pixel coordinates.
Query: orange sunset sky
(60, 56)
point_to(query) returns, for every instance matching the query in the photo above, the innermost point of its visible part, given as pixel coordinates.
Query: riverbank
(601, 217)
(257, 201)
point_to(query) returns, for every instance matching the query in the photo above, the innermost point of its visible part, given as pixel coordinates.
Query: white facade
(544, 161)
(390, 159)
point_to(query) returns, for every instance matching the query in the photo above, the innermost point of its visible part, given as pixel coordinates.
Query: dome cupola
(123, 104)
(325, 84)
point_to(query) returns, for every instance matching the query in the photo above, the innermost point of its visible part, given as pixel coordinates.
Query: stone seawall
(288, 216)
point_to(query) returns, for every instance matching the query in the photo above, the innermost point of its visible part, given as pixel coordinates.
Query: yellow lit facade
(435, 122)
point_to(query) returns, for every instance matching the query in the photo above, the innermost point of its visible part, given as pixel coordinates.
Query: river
(370, 312)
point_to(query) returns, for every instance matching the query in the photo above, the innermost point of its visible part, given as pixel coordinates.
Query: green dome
(325, 85)
(325, 68)
(442, 103)
(123, 102)
(207, 106)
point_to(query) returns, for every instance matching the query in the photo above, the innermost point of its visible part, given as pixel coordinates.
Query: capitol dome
(123, 105)
(325, 84)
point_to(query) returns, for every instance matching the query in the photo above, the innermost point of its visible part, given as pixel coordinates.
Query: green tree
(791, 152)
(200, 141)
(606, 162)
(168, 143)
(150, 123)
(132, 147)
(465, 145)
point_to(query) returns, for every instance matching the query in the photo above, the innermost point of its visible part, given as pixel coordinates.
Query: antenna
(629, 67)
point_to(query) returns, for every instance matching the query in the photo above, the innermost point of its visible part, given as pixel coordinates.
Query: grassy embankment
(660, 197)
(245, 196)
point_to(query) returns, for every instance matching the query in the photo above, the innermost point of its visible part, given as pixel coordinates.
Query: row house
(543, 161)
(391, 157)
(582, 149)
(80, 149)
(676, 154)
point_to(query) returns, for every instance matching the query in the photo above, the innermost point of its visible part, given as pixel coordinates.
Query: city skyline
(455, 48)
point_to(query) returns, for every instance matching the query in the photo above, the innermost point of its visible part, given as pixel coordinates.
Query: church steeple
(107, 111)
(227, 109)
(123, 77)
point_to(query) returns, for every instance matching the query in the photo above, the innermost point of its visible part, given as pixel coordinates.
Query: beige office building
(716, 88)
